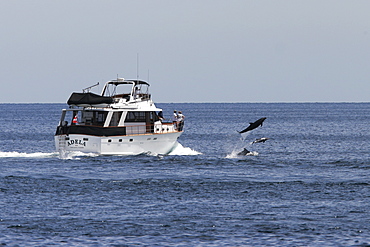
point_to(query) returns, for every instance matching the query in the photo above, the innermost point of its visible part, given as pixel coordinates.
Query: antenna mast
(137, 66)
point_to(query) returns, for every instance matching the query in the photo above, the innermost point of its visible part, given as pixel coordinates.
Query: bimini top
(122, 81)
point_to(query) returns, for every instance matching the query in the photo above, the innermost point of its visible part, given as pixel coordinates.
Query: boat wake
(177, 150)
(27, 155)
(63, 155)
(74, 155)
(67, 155)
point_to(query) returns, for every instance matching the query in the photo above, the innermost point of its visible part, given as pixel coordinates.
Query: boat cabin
(111, 122)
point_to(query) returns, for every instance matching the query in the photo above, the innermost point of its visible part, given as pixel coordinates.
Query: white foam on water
(69, 155)
(27, 155)
(181, 150)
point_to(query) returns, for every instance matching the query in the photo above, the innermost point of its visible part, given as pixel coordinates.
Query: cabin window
(115, 118)
(96, 118)
(70, 118)
(135, 116)
(75, 118)
(88, 117)
(155, 117)
(101, 117)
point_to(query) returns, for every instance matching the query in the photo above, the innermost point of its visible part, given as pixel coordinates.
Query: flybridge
(115, 91)
(128, 89)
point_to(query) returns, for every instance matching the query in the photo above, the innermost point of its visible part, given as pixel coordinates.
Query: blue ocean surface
(308, 185)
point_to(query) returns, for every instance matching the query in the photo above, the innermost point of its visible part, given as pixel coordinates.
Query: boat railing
(164, 128)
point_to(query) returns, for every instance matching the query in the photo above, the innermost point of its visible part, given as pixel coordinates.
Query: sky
(189, 51)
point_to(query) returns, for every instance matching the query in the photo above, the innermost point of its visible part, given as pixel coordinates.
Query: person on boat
(160, 116)
(174, 119)
(180, 121)
(137, 93)
(75, 119)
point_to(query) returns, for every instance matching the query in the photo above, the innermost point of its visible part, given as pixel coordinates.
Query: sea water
(308, 185)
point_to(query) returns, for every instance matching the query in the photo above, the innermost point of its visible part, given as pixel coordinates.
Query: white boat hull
(123, 121)
(118, 145)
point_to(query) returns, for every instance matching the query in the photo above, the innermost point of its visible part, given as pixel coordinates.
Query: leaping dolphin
(254, 125)
(263, 139)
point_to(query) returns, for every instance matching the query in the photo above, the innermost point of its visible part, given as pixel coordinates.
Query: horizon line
(215, 102)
